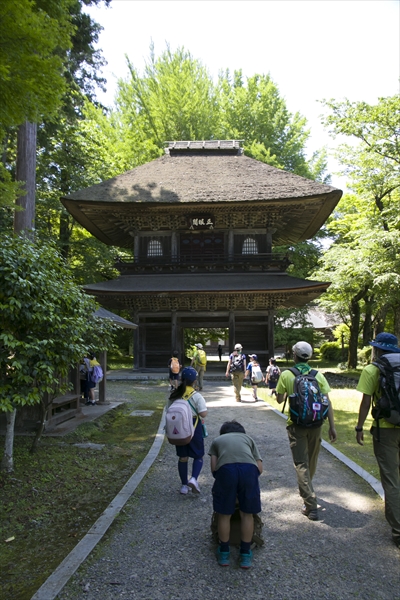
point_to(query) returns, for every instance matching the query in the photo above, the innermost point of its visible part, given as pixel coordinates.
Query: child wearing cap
(254, 373)
(195, 448)
(236, 465)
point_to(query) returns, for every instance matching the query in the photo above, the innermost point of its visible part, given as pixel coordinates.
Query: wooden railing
(205, 263)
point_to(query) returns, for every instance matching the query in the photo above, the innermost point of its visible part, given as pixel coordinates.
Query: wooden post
(174, 338)
(103, 383)
(231, 331)
(136, 342)
(270, 335)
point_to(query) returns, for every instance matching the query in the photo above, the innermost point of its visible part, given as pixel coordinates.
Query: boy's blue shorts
(236, 480)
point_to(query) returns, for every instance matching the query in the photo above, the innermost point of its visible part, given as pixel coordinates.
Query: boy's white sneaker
(184, 489)
(192, 483)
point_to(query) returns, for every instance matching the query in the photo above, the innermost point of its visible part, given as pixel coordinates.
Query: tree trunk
(7, 463)
(24, 220)
(396, 319)
(380, 320)
(367, 327)
(44, 405)
(355, 312)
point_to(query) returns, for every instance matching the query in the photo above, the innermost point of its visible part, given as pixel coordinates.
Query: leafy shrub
(364, 355)
(331, 351)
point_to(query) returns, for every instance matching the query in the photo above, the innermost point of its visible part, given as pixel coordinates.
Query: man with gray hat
(386, 425)
(305, 442)
(236, 369)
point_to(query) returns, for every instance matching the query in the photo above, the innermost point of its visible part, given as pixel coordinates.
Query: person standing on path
(195, 448)
(174, 368)
(236, 369)
(254, 373)
(305, 442)
(272, 375)
(199, 362)
(219, 352)
(386, 435)
(236, 465)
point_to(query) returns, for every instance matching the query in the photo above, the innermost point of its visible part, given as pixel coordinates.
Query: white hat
(199, 346)
(238, 346)
(302, 350)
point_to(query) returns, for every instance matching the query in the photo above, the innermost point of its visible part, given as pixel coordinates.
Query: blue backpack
(97, 374)
(308, 406)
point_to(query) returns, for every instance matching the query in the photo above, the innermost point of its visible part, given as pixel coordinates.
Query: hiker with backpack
(174, 368)
(272, 375)
(199, 362)
(236, 466)
(307, 392)
(254, 374)
(93, 374)
(379, 384)
(185, 428)
(236, 369)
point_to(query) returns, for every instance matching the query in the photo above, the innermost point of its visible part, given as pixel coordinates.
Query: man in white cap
(236, 369)
(305, 442)
(199, 362)
(386, 425)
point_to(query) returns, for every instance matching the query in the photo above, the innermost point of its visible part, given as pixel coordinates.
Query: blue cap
(189, 374)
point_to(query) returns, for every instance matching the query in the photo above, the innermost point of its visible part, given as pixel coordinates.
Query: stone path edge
(58, 579)
(373, 482)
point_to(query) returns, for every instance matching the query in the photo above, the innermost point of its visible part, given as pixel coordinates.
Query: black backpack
(388, 405)
(237, 363)
(308, 406)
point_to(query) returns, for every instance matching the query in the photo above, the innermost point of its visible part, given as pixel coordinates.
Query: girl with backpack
(195, 448)
(254, 373)
(272, 375)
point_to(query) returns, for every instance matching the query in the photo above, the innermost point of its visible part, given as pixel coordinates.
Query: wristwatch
(358, 429)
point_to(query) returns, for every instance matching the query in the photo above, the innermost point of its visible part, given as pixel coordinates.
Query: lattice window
(250, 246)
(154, 248)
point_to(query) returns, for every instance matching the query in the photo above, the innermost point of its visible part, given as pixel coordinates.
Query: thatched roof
(203, 178)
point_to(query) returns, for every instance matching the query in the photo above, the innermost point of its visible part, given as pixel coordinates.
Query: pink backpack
(179, 427)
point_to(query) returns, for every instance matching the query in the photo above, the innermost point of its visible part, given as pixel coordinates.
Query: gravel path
(160, 547)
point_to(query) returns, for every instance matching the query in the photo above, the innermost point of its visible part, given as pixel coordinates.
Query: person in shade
(199, 362)
(305, 442)
(386, 435)
(195, 448)
(236, 466)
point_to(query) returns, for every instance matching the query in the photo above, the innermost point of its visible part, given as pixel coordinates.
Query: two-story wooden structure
(202, 222)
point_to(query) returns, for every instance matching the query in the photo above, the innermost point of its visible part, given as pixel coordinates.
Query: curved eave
(214, 283)
(102, 220)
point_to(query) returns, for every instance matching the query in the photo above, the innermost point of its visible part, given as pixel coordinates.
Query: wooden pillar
(231, 245)
(103, 383)
(174, 331)
(270, 231)
(174, 247)
(270, 335)
(231, 331)
(136, 246)
(136, 342)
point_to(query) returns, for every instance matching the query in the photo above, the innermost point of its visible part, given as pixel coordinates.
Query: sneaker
(184, 489)
(310, 513)
(192, 483)
(223, 558)
(245, 560)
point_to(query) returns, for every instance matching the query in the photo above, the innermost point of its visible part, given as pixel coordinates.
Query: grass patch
(346, 403)
(54, 496)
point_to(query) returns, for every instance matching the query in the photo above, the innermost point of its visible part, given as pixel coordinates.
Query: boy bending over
(236, 465)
